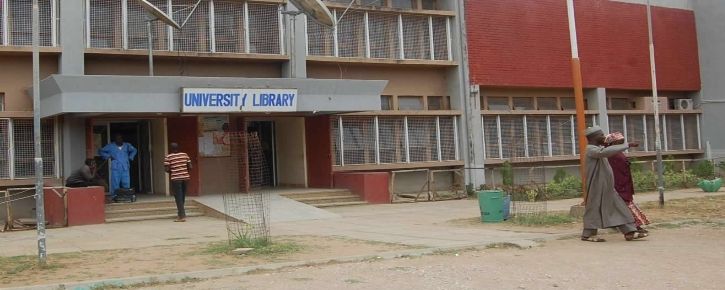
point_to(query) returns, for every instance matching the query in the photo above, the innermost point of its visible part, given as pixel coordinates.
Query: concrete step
(329, 199)
(336, 204)
(150, 217)
(141, 204)
(324, 193)
(120, 213)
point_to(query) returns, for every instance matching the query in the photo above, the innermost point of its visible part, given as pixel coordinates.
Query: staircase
(325, 197)
(148, 210)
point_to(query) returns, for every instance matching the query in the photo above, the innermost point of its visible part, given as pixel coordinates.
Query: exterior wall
(517, 36)
(16, 77)
(183, 67)
(412, 81)
(160, 149)
(711, 39)
(291, 161)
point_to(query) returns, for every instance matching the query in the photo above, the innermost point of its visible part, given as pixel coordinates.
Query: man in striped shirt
(178, 164)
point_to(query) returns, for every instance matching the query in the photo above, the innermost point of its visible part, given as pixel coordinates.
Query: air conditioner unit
(683, 104)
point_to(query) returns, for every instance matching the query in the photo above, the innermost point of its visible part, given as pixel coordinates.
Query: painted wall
(159, 151)
(105, 65)
(526, 44)
(16, 77)
(290, 135)
(710, 27)
(413, 81)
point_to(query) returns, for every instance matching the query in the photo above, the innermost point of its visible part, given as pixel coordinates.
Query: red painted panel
(371, 186)
(526, 44)
(54, 206)
(319, 151)
(184, 130)
(86, 205)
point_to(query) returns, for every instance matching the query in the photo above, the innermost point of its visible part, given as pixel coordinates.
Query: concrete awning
(62, 94)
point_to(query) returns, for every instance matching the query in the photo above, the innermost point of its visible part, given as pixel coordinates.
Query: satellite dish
(315, 9)
(160, 15)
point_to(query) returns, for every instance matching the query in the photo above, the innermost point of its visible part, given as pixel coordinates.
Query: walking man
(178, 165)
(604, 208)
(120, 155)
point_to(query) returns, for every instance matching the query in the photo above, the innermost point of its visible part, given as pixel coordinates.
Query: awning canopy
(62, 94)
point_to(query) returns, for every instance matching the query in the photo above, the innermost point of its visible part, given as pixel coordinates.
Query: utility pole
(656, 103)
(39, 202)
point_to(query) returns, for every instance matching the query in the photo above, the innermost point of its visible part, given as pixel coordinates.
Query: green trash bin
(491, 204)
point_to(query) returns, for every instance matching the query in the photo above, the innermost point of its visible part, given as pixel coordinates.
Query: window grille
(195, 34)
(410, 103)
(106, 24)
(374, 3)
(448, 135)
(4, 148)
(320, 39)
(138, 30)
(351, 34)
(691, 131)
(523, 103)
(358, 140)
(635, 132)
(490, 131)
(264, 29)
(429, 4)
(651, 146)
(384, 35)
(392, 139)
(538, 141)
(229, 26)
(23, 149)
(422, 139)
(567, 103)
(674, 132)
(616, 123)
(20, 22)
(2, 23)
(440, 38)
(336, 142)
(416, 37)
(404, 4)
(512, 141)
(561, 135)
(547, 103)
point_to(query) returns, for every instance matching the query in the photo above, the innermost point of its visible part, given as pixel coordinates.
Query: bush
(704, 169)
(568, 187)
(507, 174)
(560, 175)
(644, 181)
(680, 179)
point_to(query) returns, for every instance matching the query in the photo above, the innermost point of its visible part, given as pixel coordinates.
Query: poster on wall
(214, 140)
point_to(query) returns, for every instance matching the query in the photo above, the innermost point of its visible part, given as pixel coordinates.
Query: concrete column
(73, 146)
(470, 131)
(71, 31)
(597, 100)
(295, 46)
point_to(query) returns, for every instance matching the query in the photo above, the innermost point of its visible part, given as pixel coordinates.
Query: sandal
(641, 230)
(634, 236)
(594, 239)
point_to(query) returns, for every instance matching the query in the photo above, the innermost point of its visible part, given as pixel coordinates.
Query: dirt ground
(689, 257)
(82, 266)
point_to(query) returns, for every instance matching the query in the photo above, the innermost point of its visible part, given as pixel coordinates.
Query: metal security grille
(674, 132)
(490, 136)
(650, 129)
(416, 37)
(23, 152)
(195, 34)
(105, 24)
(422, 139)
(561, 135)
(4, 148)
(391, 143)
(2, 22)
(616, 123)
(264, 32)
(19, 22)
(384, 35)
(320, 39)
(448, 138)
(512, 143)
(405, 4)
(692, 131)
(440, 38)
(351, 34)
(137, 27)
(229, 26)
(392, 139)
(359, 140)
(635, 131)
(537, 136)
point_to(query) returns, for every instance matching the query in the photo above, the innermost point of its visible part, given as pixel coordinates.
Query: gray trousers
(625, 228)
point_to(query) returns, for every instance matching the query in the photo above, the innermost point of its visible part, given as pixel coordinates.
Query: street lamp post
(39, 202)
(656, 104)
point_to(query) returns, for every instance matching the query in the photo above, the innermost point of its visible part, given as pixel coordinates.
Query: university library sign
(210, 100)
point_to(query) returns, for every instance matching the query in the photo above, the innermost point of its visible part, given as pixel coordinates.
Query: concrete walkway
(420, 224)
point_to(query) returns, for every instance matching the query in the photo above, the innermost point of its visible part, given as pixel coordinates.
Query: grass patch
(18, 264)
(503, 246)
(261, 247)
(144, 284)
(543, 220)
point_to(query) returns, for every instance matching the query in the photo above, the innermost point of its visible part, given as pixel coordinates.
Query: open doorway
(136, 133)
(262, 159)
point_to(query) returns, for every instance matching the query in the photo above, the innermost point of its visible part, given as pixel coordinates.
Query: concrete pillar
(470, 131)
(295, 44)
(73, 144)
(597, 100)
(71, 31)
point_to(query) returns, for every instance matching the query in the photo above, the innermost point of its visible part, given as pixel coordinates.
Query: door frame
(107, 123)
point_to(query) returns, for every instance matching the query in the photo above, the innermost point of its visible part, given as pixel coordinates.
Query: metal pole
(39, 202)
(151, 46)
(578, 95)
(656, 103)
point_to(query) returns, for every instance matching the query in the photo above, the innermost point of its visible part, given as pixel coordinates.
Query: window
(567, 103)
(23, 148)
(2, 102)
(386, 103)
(523, 103)
(422, 139)
(351, 34)
(376, 3)
(547, 103)
(620, 104)
(4, 148)
(229, 26)
(410, 103)
(429, 4)
(384, 38)
(498, 103)
(263, 28)
(19, 22)
(438, 103)
(105, 23)
(404, 4)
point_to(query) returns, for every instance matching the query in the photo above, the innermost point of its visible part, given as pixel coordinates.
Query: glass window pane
(498, 103)
(410, 103)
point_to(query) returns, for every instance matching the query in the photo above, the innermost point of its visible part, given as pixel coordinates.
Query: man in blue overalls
(120, 154)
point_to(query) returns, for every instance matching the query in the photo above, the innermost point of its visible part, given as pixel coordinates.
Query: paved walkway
(422, 224)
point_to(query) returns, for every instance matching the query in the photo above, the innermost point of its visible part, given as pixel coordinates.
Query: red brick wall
(526, 44)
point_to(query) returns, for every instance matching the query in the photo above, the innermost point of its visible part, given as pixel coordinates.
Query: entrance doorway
(261, 152)
(136, 133)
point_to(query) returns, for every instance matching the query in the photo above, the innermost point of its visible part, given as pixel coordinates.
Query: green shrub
(507, 174)
(568, 187)
(560, 174)
(680, 179)
(704, 169)
(669, 164)
(635, 165)
(644, 181)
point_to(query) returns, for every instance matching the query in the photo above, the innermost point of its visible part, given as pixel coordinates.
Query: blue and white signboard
(211, 100)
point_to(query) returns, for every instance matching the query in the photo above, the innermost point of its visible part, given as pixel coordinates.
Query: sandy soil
(682, 258)
(21, 271)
